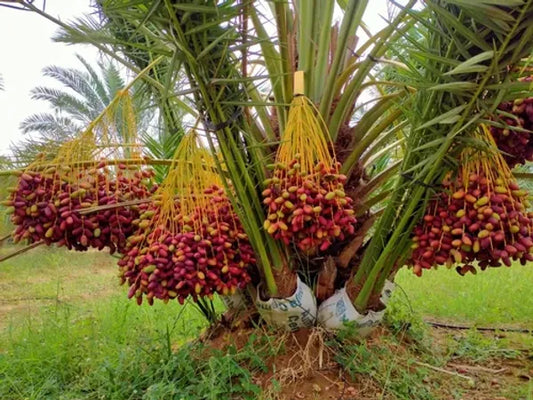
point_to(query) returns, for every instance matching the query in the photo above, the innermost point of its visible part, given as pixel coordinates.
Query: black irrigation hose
(3, 238)
(483, 328)
(465, 327)
(20, 299)
(20, 251)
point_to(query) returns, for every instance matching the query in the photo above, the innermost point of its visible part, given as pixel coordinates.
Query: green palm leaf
(447, 106)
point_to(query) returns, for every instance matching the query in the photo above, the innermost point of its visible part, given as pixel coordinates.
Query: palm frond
(450, 101)
(99, 86)
(49, 124)
(76, 80)
(161, 147)
(65, 103)
(112, 79)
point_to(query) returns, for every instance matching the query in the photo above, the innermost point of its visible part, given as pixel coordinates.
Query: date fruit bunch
(305, 198)
(479, 216)
(194, 255)
(515, 138)
(189, 242)
(48, 205)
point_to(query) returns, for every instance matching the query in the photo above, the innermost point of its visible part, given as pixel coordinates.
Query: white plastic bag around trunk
(334, 312)
(291, 313)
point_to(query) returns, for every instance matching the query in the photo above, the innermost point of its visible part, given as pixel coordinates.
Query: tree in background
(85, 95)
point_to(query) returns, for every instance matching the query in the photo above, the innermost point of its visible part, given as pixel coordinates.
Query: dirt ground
(307, 367)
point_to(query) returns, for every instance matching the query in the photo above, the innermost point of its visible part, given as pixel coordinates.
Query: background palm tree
(84, 95)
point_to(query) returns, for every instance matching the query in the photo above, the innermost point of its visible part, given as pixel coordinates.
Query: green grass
(115, 352)
(423, 370)
(497, 296)
(47, 273)
(68, 331)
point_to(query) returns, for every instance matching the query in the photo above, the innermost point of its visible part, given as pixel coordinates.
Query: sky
(26, 48)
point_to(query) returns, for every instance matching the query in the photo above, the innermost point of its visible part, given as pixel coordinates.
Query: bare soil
(306, 368)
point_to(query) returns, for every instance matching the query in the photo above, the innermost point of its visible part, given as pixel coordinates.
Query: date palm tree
(436, 73)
